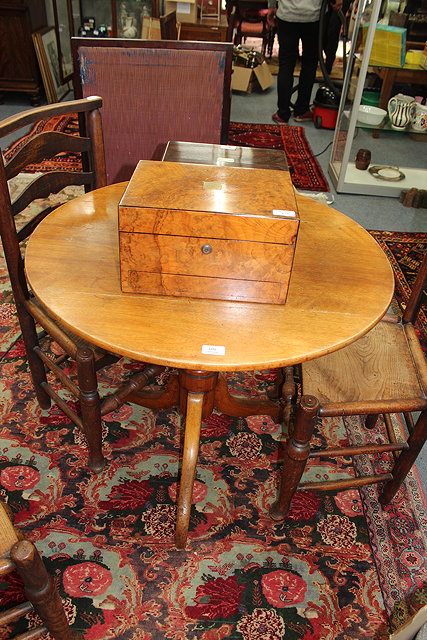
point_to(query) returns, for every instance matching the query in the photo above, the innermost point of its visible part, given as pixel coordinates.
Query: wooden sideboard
(18, 63)
(207, 31)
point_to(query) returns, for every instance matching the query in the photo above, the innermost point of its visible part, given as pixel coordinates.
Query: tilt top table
(341, 286)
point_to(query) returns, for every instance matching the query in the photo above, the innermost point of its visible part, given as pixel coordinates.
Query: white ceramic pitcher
(401, 110)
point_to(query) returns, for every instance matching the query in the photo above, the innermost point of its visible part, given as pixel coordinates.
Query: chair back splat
(382, 373)
(16, 224)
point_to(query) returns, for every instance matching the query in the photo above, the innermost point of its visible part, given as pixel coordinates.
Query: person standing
(332, 31)
(296, 20)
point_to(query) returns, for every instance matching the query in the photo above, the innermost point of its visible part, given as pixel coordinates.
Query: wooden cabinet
(208, 31)
(18, 63)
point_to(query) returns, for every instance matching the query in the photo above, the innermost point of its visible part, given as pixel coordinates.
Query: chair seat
(379, 367)
(256, 28)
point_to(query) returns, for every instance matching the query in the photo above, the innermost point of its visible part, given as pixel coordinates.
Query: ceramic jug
(419, 118)
(401, 109)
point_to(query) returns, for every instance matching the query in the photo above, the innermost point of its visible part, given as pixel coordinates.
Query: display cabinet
(102, 18)
(399, 158)
(18, 63)
(122, 18)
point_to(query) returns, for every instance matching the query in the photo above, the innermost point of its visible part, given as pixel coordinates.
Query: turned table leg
(189, 461)
(198, 393)
(196, 402)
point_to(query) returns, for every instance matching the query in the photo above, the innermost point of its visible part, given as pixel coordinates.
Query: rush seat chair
(36, 323)
(384, 372)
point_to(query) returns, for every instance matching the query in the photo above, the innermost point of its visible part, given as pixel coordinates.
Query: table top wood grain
(340, 287)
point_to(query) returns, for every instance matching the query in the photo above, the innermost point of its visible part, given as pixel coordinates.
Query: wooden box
(202, 231)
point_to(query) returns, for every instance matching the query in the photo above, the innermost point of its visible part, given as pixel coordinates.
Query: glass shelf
(352, 135)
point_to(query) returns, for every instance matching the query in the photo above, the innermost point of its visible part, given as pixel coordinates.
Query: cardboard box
(423, 63)
(151, 29)
(389, 46)
(185, 11)
(414, 58)
(248, 80)
(204, 231)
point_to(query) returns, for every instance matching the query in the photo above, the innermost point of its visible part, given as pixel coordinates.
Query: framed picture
(47, 55)
(67, 19)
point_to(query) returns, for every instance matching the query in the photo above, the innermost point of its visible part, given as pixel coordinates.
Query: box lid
(172, 198)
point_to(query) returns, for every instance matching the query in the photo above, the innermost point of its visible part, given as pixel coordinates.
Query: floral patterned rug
(405, 252)
(338, 567)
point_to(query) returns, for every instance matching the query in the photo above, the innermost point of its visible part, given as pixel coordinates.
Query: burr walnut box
(203, 231)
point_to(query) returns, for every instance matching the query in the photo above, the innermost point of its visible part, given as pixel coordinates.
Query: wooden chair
(166, 90)
(384, 372)
(18, 554)
(31, 314)
(251, 22)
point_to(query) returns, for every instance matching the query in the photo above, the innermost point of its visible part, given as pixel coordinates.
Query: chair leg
(37, 368)
(295, 456)
(41, 591)
(271, 36)
(90, 407)
(371, 420)
(264, 46)
(406, 459)
(276, 391)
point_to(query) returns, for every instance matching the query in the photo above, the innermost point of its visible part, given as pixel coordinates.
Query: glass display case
(97, 18)
(122, 18)
(399, 160)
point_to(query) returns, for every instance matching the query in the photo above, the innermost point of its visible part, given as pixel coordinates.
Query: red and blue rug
(305, 171)
(338, 567)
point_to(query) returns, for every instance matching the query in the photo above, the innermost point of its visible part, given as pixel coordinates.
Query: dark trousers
(289, 35)
(331, 35)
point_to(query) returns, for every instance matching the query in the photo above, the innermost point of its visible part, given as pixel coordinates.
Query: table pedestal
(197, 393)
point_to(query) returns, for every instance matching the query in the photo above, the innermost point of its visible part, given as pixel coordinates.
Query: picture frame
(67, 19)
(46, 48)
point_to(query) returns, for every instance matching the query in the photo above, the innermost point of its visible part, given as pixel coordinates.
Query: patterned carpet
(305, 171)
(338, 567)
(405, 252)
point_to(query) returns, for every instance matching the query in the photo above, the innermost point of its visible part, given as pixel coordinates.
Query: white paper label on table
(213, 350)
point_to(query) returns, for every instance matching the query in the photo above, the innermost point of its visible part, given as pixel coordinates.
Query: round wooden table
(341, 285)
